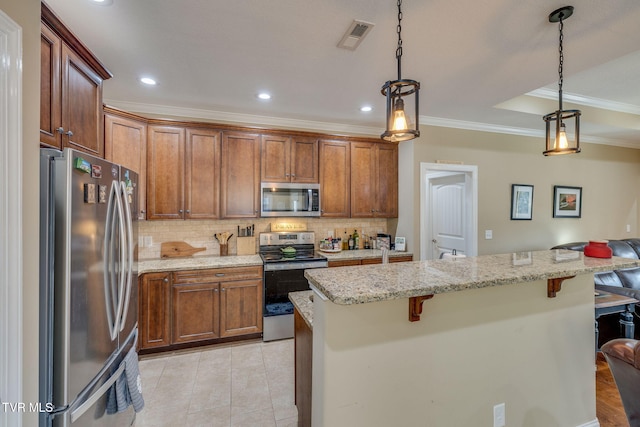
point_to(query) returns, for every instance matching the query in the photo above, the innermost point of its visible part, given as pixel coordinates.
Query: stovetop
(299, 256)
(271, 245)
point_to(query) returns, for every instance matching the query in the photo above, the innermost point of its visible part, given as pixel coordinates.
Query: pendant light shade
(562, 126)
(402, 100)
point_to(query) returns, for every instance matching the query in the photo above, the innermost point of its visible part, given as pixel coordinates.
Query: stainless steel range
(285, 255)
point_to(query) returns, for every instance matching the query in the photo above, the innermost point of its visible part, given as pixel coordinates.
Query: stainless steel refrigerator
(88, 286)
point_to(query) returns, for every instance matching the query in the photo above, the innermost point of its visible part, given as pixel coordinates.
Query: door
(165, 172)
(240, 175)
(202, 174)
(335, 163)
(448, 210)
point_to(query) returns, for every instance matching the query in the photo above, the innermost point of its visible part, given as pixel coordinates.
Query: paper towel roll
(449, 255)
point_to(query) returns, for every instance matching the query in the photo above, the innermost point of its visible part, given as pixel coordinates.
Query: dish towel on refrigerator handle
(127, 389)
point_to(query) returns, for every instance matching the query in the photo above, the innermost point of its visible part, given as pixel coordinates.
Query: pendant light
(402, 100)
(557, 141)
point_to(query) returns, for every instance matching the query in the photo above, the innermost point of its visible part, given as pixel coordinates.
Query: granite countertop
(361, 254)
(370, 283)
(197, 262)
(304, 304)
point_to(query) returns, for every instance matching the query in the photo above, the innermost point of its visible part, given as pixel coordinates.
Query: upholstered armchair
(623, 357)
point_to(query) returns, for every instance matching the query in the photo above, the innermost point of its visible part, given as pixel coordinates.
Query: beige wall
(471, 350)
(609, 177)
(27, 14)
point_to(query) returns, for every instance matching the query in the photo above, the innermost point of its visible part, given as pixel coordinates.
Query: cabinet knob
(179, 210)
(60, 130)
(69, 133)
(166, 280)
(293, 175)
(188, 211)
(286, 174)
(219, 274)
(222, 289)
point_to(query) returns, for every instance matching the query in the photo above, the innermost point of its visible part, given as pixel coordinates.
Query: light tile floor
(234, 385)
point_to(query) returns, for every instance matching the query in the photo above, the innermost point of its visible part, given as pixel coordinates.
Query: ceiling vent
(355, 34)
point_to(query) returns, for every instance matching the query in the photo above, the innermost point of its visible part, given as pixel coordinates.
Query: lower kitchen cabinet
(191, 306)
(153, 314)
(367, 261)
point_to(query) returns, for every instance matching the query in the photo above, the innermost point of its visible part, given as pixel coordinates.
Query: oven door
(277, 286)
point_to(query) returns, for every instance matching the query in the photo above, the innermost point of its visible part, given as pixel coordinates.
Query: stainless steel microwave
(283, 199)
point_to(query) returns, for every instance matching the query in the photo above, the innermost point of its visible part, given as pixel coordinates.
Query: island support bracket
(415, 307)
(554, 285)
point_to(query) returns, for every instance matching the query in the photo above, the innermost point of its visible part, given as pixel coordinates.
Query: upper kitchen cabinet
(374, 180)
(335, 164)
(240, 175)
(70, 89)
(125, 143)
(183, 173)
(289, 159)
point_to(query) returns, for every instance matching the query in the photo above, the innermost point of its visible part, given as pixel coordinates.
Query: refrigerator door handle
(109, 266)
(128, 246)
(98, 394)
(123, 257)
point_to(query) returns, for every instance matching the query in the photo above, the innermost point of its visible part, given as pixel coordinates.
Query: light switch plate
(488, 234)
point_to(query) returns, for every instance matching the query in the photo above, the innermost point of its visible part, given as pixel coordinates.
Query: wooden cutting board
(178, 249)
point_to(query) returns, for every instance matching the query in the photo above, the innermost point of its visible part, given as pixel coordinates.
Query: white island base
(469, 351)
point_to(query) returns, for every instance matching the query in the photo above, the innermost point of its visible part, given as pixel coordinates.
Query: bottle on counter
(345, 241)
(356, 239)
(366, 242)
(351, 242)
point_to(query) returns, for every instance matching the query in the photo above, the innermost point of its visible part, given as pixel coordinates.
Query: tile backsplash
(199, 233)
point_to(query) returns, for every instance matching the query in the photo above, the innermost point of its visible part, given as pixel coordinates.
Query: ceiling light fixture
(148, 81)
(366, 108)
(264, 96)
(559, 143)
(402, 111)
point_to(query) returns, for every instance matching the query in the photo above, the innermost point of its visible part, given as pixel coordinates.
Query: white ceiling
(482, 64)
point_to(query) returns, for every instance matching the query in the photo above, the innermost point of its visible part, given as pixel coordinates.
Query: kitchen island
(512, 329)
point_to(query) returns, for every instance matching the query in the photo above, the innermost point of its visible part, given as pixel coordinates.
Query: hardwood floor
(609, 408)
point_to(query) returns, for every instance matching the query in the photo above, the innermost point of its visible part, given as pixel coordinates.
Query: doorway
(448, 210)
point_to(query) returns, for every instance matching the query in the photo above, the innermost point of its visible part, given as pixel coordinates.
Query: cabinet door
(387, 181)
(363, 179)
(334, 178)
(81, 105)
(154, 315)
(240, 175)
(276, 158)
(196, 314)
(241, 307)
(165, 172)
(202, 174)
(50, 119)
(304, 160)
(125, 143)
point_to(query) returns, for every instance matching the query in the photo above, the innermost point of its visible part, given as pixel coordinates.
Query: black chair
(623, 357)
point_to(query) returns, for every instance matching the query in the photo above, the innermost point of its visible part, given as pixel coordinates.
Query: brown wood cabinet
(289, 159)
(190, 306)
(183, 173)
(368, 261)
(303, 350)
(374, 180)
(154, 317)
(335, 164)
(240, 175)
(70, 90)
(125, 143)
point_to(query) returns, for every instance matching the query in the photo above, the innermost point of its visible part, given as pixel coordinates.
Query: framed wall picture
(521, 201)
(401, 244)
(567, 202)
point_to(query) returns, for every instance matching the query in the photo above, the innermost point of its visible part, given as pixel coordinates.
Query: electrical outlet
(488, 234)
(628, 228)
(499, 415)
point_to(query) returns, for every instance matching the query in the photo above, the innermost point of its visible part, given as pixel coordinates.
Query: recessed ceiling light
(366, 108)
(264, 95)
(148, 81)
(103, 2)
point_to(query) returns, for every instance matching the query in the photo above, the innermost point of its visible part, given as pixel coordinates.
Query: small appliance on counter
(285, 255)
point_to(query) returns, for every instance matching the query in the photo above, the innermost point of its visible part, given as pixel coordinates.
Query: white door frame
(432, 170)
(10, 218)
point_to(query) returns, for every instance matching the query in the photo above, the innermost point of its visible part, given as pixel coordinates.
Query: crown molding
(226, 117)
(336, 128)
(588, 101)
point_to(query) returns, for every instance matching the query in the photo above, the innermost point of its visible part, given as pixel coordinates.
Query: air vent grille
(355, 34)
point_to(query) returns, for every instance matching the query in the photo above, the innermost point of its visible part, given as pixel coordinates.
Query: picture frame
(567, 201)
(400, 244)
(521, 202)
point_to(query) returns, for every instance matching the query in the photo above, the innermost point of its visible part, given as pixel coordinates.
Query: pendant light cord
(399, 31)
(561, 63)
